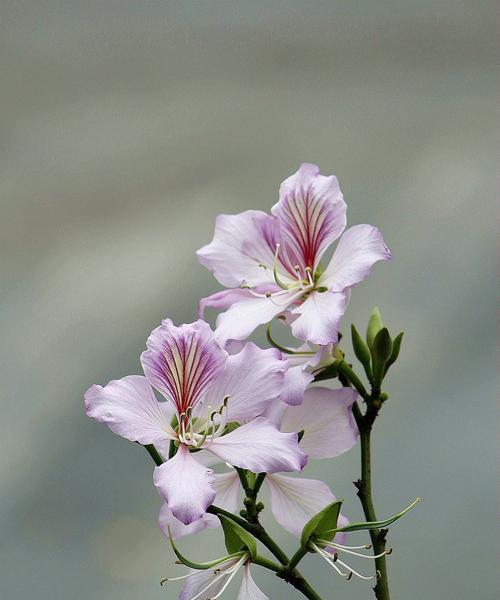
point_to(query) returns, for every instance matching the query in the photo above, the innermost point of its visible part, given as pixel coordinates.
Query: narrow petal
(260, 447)
(311, 212)
(129, 408)
(358, 250)
(221, 301)
(251, 379)
(319, 319)
(249, 589)
(167, 522)
(240, 320)
(242, 243)
(326, 418)
(295, 500)
(185, 485)
(211, 580)
(295, 384)
(182, 362)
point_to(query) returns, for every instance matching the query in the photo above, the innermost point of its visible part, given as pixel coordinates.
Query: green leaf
(199, 566)
(396, 347)
(322, 523)
(236, 538)
(360, 347)
(375, 324)
(376, 524)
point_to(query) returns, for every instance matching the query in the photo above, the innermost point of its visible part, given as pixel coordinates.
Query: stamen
(177, 578)
(282, 285)
(329, 560)
(353, 572)
(308, 271)
(343, 549)
(232, 572)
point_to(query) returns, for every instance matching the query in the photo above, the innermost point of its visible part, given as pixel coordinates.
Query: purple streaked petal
(185, 485)
(260, 447)
(251, 379)
(249, 589)
(311, 212)
(239, 321)
(241, 244)
(129, 408)
(319, 317)
(358, 250)
(295, 500)
(223, 300)
(326, 418)
(182, 362)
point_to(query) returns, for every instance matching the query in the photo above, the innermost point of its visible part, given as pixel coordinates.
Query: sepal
(237, 539)
(322, 525)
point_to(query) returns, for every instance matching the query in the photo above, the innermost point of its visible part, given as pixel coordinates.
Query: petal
(326, 418)
(295, 500)
(201, 580)
(251, 379)
(129, 408)
(241, 244)
(243, 317)
(319, 319)
(260, 447)
(185, 485)
(182, 362)
(223, 300)
(227, 487)
(295, 384)
(358, 250)
(167, 521)
(249, 589)
(311, 212)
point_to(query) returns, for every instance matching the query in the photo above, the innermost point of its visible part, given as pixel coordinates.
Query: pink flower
(205, 389)
(271, 263)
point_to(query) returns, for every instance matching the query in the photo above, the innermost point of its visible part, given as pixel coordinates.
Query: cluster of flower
(253, 411)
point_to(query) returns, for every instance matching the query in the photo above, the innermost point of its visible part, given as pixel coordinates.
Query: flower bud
(396, 347)
(360, 347)
(381, 352)
(375, 324)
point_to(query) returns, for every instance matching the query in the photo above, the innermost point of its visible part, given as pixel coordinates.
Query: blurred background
(126, 127)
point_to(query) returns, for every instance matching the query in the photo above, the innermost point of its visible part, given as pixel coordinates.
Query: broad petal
(358, 250)
(319, 319)
(311, 212)
(295, 500)
(260, 447)
(182, 362)
(129, 408)
(167, 521)
(251, 379)
(295, 384)
(227, 487)
(326, 418)
(240, 320)
(185, 485)
(249, 589)
(211, 580)
(241, 244)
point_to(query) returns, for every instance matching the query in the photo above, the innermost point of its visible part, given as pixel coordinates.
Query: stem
(364, 485)
(153, 452)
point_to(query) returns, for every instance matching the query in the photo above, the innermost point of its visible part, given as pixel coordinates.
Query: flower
(216, 580)
(271, 263)
(208, 392)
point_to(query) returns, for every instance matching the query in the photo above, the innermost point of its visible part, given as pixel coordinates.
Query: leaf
(322, 523)
(236, 538)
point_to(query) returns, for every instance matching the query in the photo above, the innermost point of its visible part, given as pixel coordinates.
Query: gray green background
(126, 127)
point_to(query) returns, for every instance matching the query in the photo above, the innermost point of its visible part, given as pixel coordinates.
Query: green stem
(153, 452)
(364, 485)
(296, 558)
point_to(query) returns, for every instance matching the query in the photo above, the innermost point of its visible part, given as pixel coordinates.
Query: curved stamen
(330, 561)
(341, 549)
(353, 572)
(282, 285)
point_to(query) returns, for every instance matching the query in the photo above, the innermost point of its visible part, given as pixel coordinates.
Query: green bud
(375, 324)
(260, 506)
(248, 502)
(381, 352)
(396, 347)
(360, 347)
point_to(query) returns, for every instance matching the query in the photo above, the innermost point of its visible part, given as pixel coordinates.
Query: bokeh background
(125, 128)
